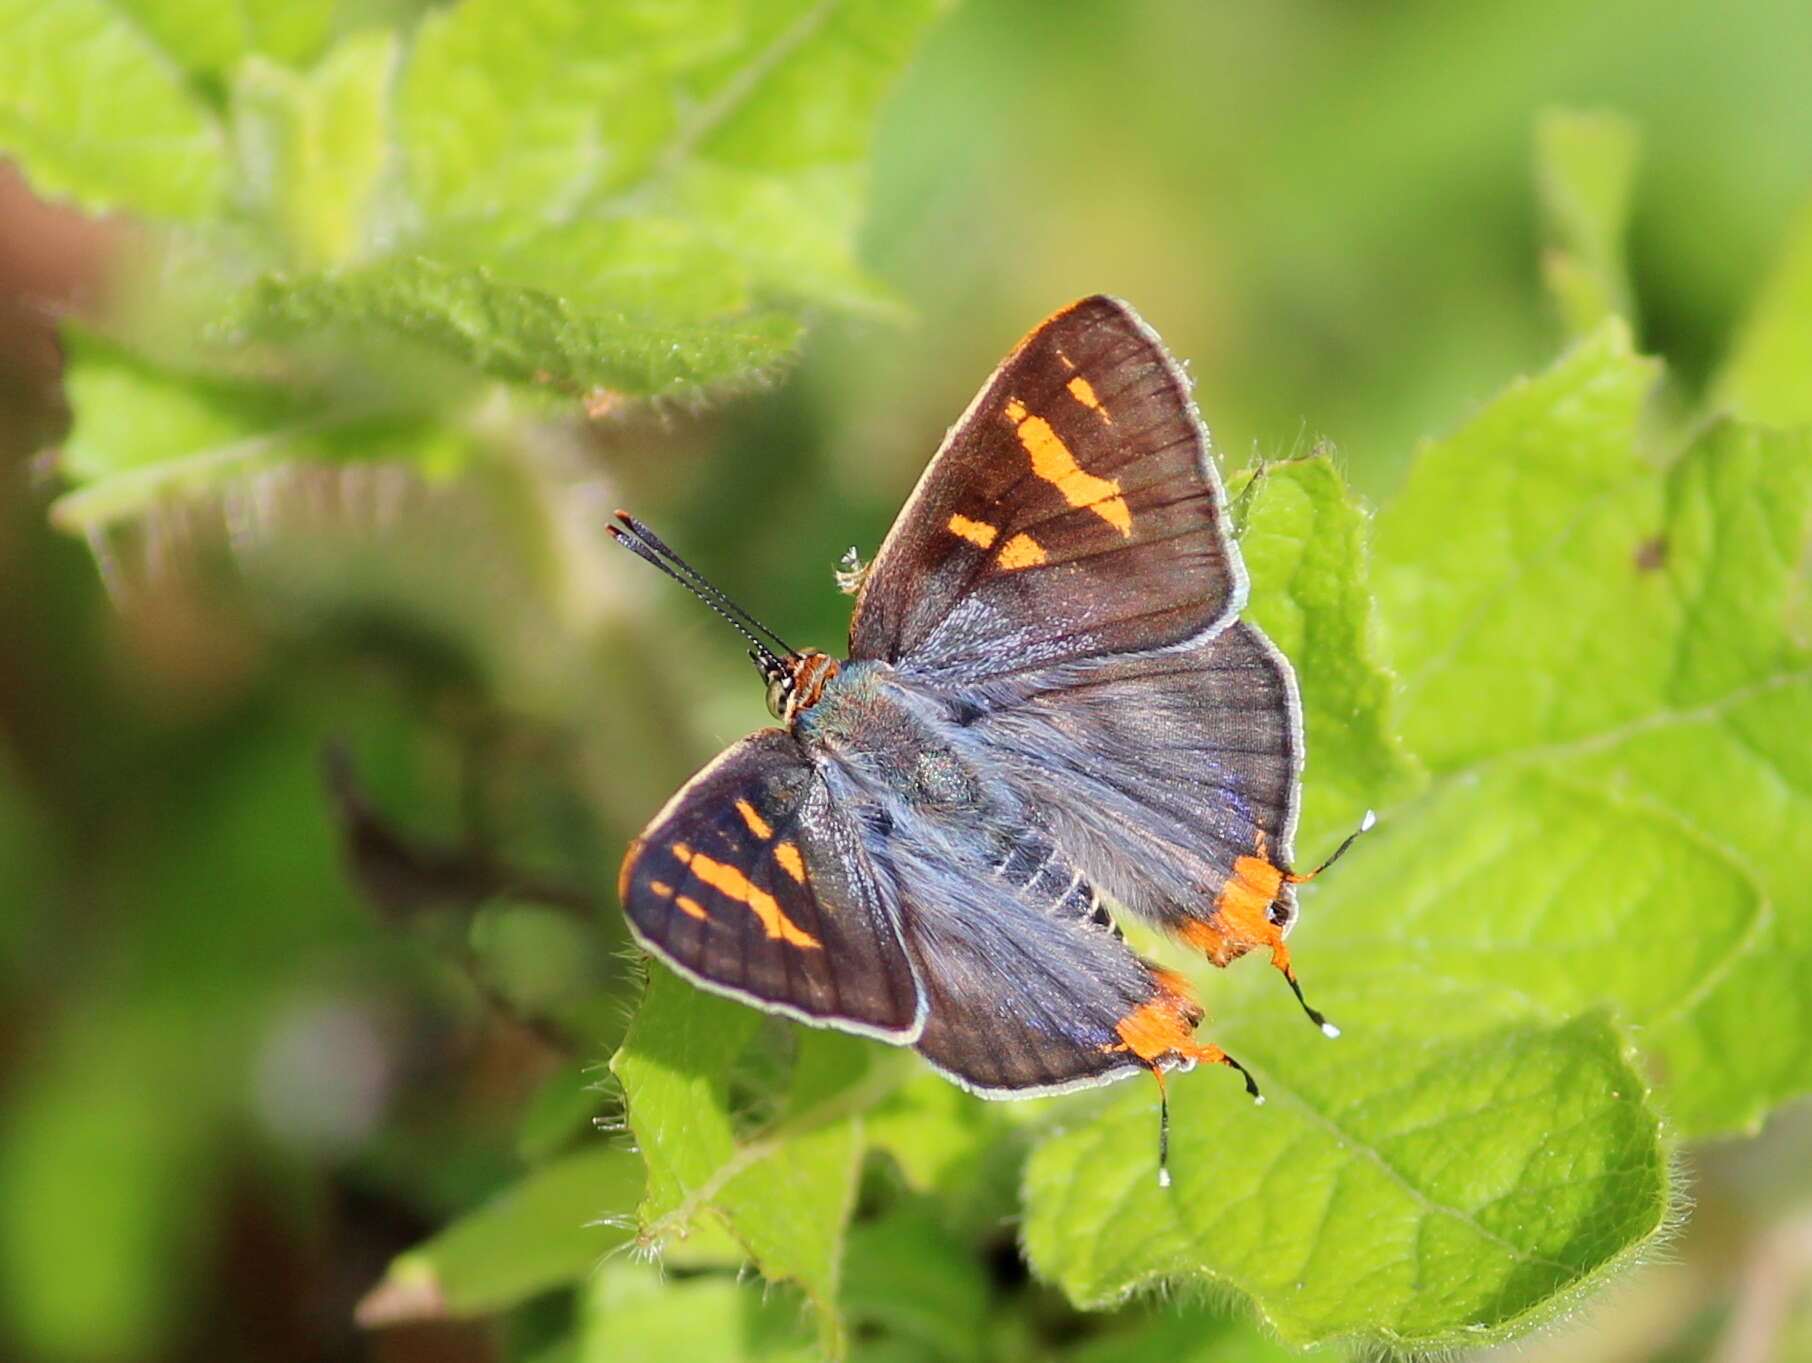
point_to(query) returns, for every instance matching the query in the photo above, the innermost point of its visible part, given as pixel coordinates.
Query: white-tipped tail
(1163, 1178)
(1329, 1029)
(1366, 824)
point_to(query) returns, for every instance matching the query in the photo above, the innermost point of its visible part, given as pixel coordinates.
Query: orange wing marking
(1053, 462)
(1164, 1025)
(1242, 916)
(1022, 551)
(691, 906)
(1084, 392)
(787, 854)
(759, 826)
(733, 884)
(978, 533)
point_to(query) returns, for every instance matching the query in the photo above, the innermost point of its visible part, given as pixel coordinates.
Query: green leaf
(311, 147)
(692, 177)
(1585, 170)
(550, 1229)
(206, 38)
(529, 113)
(1481, 557)
(643, 204)
(144, 431)
(525, 334)
(786, 1188)
(936, 1134)
(629, 1314)
(1400, 1185)
(907, 1275)
(1182, 1332)
(1765, 378)
(1608, 668)
(1304, 545)
(96, 109)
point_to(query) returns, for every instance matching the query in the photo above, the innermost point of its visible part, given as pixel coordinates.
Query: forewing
(1169, 776)
(1073, 511)
(752, 883)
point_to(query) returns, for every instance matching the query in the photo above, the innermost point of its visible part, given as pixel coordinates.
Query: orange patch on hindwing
(1242, 915)
(1165, 1024)
(1022, 551)
(733, 884)
(1053, 462)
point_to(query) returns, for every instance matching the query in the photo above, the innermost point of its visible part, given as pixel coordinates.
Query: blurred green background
(264, 1027)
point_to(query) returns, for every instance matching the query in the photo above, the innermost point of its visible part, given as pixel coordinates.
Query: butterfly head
(796, 681)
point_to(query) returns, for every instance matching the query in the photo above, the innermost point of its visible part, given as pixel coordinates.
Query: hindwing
(1171, 777)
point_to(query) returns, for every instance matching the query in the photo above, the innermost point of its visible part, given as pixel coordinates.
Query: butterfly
(1049, 699)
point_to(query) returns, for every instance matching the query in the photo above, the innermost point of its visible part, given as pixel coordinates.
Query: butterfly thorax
(872, 726)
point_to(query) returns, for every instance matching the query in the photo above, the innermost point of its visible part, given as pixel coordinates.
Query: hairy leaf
(550, 1229)
(1406, 1187)
(1608, 668)
(784, 1188)
(522, 333)
(1303, 541)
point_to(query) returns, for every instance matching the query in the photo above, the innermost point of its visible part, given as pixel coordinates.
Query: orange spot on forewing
(978, 533)
(1084, 392)
(1022, 551)
(757, 825)
(690, 906)
(787, 854)
(728, 881)
(1053, 462)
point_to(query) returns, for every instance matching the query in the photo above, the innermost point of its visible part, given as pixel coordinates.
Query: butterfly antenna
(764, 656)
(697, 581)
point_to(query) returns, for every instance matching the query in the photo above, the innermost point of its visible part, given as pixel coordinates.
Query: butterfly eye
(777, 695)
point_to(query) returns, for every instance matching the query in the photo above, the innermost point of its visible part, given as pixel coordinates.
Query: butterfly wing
(1029, 988)
(1171, 777)
(1073, 511)
(753, 884)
